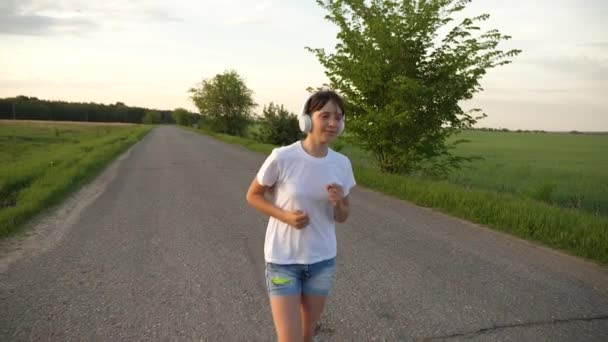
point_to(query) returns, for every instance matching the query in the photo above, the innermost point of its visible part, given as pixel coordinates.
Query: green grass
(505, 190)
(251, 144)
(42, 162)
(566, 170)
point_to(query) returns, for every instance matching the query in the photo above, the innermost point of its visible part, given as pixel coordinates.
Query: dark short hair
(319, 99)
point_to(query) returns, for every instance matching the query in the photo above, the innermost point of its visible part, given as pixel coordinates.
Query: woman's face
(325, 122)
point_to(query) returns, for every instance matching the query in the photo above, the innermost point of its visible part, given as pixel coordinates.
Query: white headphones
(306, 123)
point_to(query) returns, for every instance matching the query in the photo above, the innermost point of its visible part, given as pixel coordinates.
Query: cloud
(601, 45)
(67, 83)
(262, 5)
(42, 25)
(245, 19)
(532, 114)
(252, 13)
(583, 66)
(43, 17)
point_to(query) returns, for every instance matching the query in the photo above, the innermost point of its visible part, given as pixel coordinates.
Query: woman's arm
(341, 210)
(255, 197)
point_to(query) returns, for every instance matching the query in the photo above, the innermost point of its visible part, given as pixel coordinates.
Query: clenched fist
(334, 194)
(297, 218)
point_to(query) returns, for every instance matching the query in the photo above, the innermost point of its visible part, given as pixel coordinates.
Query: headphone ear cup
(304, 119)
(341, 127)
(304, 122)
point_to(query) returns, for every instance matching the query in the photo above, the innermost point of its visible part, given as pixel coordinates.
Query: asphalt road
(162, 246)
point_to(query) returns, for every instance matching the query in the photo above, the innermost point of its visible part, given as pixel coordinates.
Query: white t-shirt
(299, 181)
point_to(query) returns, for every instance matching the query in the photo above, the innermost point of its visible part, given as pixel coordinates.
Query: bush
(278, 126)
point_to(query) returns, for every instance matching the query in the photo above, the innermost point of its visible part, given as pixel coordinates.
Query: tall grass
(571, 230)
(42, 163)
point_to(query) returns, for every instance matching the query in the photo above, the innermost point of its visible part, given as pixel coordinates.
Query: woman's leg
(315, 289)
(286, 316)
(311, 308)
(284, 289)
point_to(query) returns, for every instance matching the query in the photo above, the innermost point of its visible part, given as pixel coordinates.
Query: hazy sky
(150, 52)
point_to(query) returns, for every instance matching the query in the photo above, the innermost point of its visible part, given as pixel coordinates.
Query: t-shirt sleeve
(269, 172)
(349, 178)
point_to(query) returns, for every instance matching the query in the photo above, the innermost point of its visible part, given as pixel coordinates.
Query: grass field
(549, 188)
(41, 162)
(564, 170)
(567, 170)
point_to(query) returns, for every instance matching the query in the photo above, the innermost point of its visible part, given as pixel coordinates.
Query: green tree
(182, 117)
(403, 82)
(120, 112)
(278, 126)
(179, 115)
(225, 102)
(151, 117)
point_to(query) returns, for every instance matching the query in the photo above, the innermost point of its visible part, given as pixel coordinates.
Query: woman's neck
(314, 148)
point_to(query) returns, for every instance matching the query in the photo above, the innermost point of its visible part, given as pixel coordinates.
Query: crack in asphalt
(516, 325)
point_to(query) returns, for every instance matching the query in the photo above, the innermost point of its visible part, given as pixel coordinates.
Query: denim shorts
(294, 279)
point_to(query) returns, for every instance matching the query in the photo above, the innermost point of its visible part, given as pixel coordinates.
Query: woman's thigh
(311, 309)
(286, 317)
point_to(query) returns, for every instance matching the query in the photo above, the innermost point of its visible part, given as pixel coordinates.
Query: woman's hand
(297, 219)
(334, 194)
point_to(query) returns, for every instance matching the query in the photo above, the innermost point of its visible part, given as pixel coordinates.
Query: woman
(309, 185)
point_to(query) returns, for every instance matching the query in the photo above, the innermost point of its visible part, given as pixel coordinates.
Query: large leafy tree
(225, 102)
(404, 82)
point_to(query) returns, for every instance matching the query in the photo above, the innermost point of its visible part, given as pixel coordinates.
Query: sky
(149, 53)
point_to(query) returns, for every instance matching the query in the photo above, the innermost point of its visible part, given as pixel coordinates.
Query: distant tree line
(32, 108)
(490, 129)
